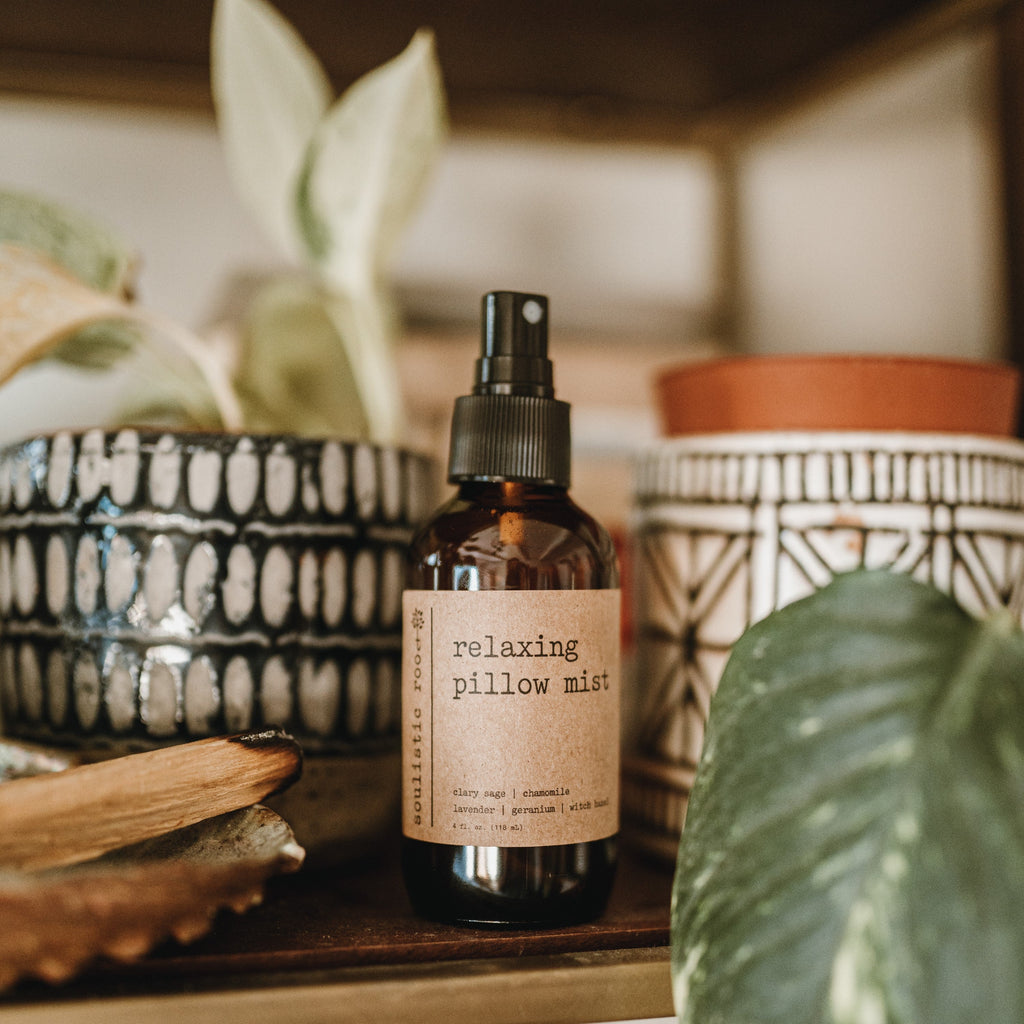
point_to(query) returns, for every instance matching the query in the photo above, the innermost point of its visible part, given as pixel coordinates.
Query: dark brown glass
(511, 536)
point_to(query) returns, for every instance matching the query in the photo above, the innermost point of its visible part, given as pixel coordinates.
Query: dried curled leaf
(124, 904)
(42, 306)
(85, 249)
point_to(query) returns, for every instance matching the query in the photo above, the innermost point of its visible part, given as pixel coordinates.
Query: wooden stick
(71, 816)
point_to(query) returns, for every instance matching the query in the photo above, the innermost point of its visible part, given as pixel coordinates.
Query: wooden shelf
(342, 944)
(638, 69)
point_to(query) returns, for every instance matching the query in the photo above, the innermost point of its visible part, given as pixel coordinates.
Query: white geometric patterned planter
(159, 587)
(729, 527)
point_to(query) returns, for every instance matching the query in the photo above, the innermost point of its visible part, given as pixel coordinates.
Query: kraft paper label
(510, 716)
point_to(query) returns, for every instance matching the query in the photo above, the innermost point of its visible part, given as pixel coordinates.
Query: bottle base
(503, 887)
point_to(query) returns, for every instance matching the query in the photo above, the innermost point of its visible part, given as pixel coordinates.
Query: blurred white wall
(615, 232)
(871, 221)
(866, 221)
(623, 239)
(156, 178)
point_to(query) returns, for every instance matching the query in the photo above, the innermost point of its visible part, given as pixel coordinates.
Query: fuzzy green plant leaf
(270, 93)
(293, 372)
(159, 403)
(334, 184)
(854, 845)
(98, 347)
(368, 164)
(364, 175)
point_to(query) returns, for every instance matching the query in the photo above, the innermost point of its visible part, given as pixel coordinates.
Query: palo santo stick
(67, 817)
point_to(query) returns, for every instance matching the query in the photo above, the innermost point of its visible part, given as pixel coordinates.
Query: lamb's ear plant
(854, 845)
(332, 182)
(65, 295)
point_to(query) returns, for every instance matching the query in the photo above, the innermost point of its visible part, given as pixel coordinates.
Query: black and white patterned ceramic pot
(729, 527)
(159, 587)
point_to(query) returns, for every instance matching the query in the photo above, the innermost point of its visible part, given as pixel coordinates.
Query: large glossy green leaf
(854, 847)
(270, 93)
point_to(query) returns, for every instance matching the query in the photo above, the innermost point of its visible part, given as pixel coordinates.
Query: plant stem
(363, 323)
(209, 366)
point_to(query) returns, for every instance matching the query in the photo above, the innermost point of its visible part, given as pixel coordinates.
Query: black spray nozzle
(514, 346)
(512, 427)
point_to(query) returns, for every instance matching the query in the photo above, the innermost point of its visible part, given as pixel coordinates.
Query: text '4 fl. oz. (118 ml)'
(510, 676)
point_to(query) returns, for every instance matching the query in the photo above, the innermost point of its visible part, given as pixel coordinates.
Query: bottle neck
(509, 493)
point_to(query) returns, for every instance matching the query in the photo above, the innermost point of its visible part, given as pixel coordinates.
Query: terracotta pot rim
(797, 359)
(839, 392)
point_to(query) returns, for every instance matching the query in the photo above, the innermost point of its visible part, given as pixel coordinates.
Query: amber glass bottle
(510, 666)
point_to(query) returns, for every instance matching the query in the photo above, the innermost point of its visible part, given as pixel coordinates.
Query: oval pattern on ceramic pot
(119, 695)
(92, 465)
(8, 682)
(364, 588)
(281, 480)
(24, 575)
(31, 681)
(159, 688)
(243, 477)
(392, 570)
(6, 578)
(125, 462)
(56, 688)
(58, 470)
(87, 574)
(198, 589)
(202, 697)
(358, 698)
(21, 480)
(319, 695)
(385, 696)
(165, 472)
(160, 578)
(119, 578)
(364, 480)
(203, 479)
(276, 692)
(58, 575)
(5, 482)
(239, 587)
(417, 490)
(85, 683)
(238, 695)
(309, 584)
(390, 484)
(277, 580)
(334, 478)
(334, 587)
(310, 494)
